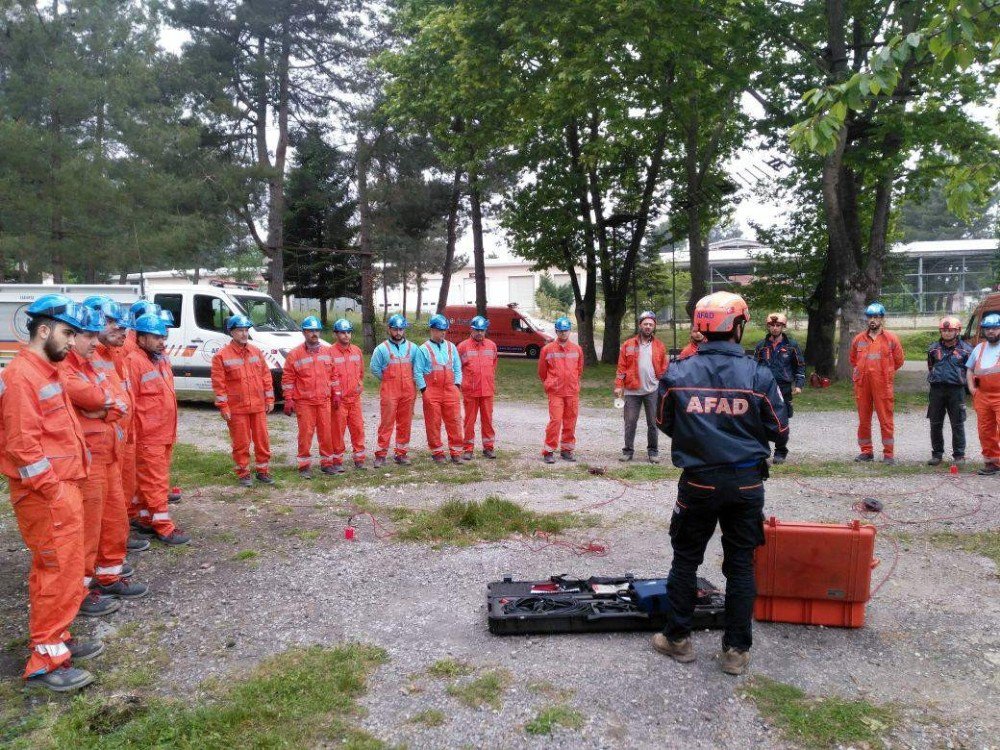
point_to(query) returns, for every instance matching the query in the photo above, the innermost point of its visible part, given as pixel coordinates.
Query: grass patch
(819, 722)
(194, 467)
(134, 660)
(245, 555)
(306, 535)
(546, 688)
(467, 522)
(485, 690)
(551, 717)
(449, 669)
(300, 698)
(985, 543)
(910, 392)
(429, 718)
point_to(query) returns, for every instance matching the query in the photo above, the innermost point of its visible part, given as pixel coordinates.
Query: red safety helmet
(777, 318)
(950, 323)
(719, 313)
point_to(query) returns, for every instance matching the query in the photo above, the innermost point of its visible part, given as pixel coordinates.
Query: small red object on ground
(953, 469)
(348, 532)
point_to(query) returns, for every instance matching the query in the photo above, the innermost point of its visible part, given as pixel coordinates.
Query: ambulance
(200, 312)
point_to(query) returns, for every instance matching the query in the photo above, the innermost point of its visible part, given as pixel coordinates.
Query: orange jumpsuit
(309, 382)
(479, 367)
(687, 351)
(44, 457)
(155, 434)
(126, 462)
(875, 363)
(100, 403)
(441, 397)
(244, 392)
(560, 366)
(397, 394)
(987, 405)
(349, 368)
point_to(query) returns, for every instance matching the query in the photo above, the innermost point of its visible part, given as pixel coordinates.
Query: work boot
(246, 481)
(654, 458)
(489, 453)
(681, 651)
(96, 605)
(127, 570)
(567, 456)
(63, 679)
(988, 470)
(456, 460)
(889, 461)
(83, 650)
(863, 457)
(435, 458)
(935, 461)
(402, 460)
(122, 589)
(305, 473)
(135, 544)
(378, 463)
(330, 471)
(467, 455)
(734, 662)
(625, 457)
(548, 458)
(264, 478)
(174, 497)
(141, 529)
(778, 459)
(360, 465)
(338, 469)
(174, 538)
(958, 460)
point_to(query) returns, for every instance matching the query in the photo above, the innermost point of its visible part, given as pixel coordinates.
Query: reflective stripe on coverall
(479, 366)
(126, 462)
(349, 368)
(442, 401)
(309, 381)
(875, 363)
(244, 391)
(560, 366)
(393, 366)
(986, 402)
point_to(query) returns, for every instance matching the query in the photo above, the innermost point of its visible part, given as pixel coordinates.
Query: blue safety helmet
(112, 310)
(238, 321)
(94, 320)
(96, 301)
(991, 321)
(397, 321)
(311, 324)
(479, 323)
(150, 323)
(875, 309)
(439, 323)
(563, 323)
(58, 307)
(143, 307)
(167, 317)
(343, 325)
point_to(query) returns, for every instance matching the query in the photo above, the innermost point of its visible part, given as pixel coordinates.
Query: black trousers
(733, 499)
(950, 400)
(781, 445)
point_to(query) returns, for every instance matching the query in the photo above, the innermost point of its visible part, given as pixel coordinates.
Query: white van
(200, 312)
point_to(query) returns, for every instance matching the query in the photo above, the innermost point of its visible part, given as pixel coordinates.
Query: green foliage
(485, 690)
(449, 669)
(985, 543)
(820, 722)
(551, 717)
(430, 717)
(553, 298)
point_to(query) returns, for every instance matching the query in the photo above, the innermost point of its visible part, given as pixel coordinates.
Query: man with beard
(984, 383)
(876, 354)
(947, 359)
(392, 365)
(642, 361)
(782, 356)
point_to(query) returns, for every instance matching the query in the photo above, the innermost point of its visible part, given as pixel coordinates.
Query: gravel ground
(932, 629)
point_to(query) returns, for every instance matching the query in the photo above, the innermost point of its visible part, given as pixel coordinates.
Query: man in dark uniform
(721, 410)
(946, 362)
(782, 356)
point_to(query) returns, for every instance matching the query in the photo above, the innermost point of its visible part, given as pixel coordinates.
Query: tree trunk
(821, 333)
(586, 301)
(449, 255)
(322, 311)
(697, 247)
(478, 253)
(403, 276)
(420, 295)
(614, 310)
(365, 245)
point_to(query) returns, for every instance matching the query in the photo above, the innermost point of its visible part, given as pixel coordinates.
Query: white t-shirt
(990, 353)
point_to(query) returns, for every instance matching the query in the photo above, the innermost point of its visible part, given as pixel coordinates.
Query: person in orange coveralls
(308, 384)
(244, 393)
(349, 368)
(983, 368)
(876, 354)
(479, 367)
(101, 403)
(44, 457)
(437, 373)
(560, 365)
(392, 365)
(155, 427)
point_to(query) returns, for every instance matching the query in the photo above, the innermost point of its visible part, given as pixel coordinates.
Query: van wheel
(532, 352)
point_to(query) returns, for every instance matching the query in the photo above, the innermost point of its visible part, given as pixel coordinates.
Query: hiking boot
(778, 459)
(378, 463)
(264, 478)
(127, 570)
(456, 460)
(988, 470)
(141, 529)
(863, 457)
(83, 650)
(467, 456)
(732, 661)
(338, 469)
(135, 544)
(360, 465)
(330, 471)
(305, 473)
(174, 538)
(567, 456)
(548, 458)
(654, 458)
(402, 460)
(934, 461)
(63, 679)
(681, 651)
(958, 460)
(435, 458)
(96, 605)
(889, 461)
(174, 496)
(489, 453)
(123, 589)
(625, 457)
(246, 481)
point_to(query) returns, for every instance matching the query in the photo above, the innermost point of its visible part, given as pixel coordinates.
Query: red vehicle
(989, 304)
(510, 330)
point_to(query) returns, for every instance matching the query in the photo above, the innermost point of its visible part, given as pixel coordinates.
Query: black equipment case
(592, 605)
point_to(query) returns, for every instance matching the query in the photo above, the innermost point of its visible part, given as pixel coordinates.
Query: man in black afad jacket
(722, 410)
(946, 373)
(782, 356)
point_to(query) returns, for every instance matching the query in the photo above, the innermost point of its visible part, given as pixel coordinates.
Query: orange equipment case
(814, 573)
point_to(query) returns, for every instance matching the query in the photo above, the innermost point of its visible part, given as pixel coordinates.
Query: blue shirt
(422, 364)
(380, 357)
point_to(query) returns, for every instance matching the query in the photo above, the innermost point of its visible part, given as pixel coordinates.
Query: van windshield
(265, 313)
